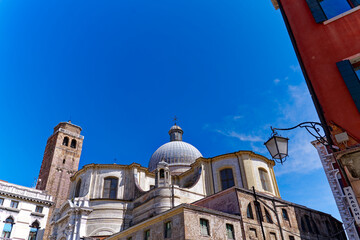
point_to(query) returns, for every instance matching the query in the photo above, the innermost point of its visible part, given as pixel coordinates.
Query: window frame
(78, 188)
(230, 230)
(112, 189)
(65, 141)
(249, 211)
(2, 201)
(39, 209)
(147, 234)
(204, 226)
(265, 180)
(7, 234)
(73, 143)
(13, 202)
(225, 179)
(167, 231)
(268, 216)
(285, 214)
(319, 14)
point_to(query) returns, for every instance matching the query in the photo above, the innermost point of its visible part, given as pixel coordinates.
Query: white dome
(175, 152)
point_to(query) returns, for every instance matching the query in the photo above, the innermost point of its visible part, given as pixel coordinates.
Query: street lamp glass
(278, 147)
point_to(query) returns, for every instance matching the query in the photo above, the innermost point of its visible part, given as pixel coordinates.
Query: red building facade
(326, 37)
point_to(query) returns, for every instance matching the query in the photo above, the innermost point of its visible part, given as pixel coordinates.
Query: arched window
(258, 211)
(110, 187)
(78, 188)
(9, 222)
(33, 230)
(227, 178)
(268, 217)
(66, 141)
(73, 143)
(264, 177)
(249, 212)
(285, 214)
(162, 173)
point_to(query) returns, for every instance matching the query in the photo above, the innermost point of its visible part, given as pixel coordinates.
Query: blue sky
(123, 69)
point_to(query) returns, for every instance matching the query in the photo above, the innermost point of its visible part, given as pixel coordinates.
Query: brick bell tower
(60, 162)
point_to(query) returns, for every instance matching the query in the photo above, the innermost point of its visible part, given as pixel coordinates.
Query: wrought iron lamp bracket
(314, 128)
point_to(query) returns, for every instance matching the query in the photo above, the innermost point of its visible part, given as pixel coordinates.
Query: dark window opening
(78, 188)
(227, 178)
(268, 217)
(249, 212)
(204, 225)
(63, 161)
(73, 143)
(258, 211)
(162, 173)
(230, 231)
(110, 188)
(285, 215)
(39, 209)
(291, 238)
(66, 141)
(147, 235)
(167, 230)
(1, 201)
(273, 236)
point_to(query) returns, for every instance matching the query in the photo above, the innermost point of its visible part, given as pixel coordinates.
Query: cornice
(224, 156)
(22, 197)
(111, 166)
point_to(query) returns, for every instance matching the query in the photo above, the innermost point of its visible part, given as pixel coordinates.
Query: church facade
(123, 201)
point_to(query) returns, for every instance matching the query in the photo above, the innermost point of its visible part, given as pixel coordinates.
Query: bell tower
(60, 162)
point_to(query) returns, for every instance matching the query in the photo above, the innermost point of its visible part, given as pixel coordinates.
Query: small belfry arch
(162, 175)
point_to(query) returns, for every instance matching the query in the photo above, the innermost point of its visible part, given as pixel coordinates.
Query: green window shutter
(317, 11)
(351, 80)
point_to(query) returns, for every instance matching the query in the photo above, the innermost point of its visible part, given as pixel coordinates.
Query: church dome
(176, 152)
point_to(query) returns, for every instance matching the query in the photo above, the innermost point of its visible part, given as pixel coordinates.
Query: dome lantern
(175, 133)
(178, 154)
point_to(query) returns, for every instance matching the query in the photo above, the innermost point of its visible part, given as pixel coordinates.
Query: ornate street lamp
(278, 146)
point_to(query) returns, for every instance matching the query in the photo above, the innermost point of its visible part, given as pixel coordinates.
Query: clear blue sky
(122, 69)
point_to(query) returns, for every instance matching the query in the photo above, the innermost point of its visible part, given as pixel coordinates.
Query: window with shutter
(326, 9)
(351, 79)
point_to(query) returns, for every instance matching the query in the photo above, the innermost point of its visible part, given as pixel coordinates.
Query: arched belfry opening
(162, 175)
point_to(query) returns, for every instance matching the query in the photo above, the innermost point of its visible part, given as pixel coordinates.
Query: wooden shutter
(317, 11)
(351, 80)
